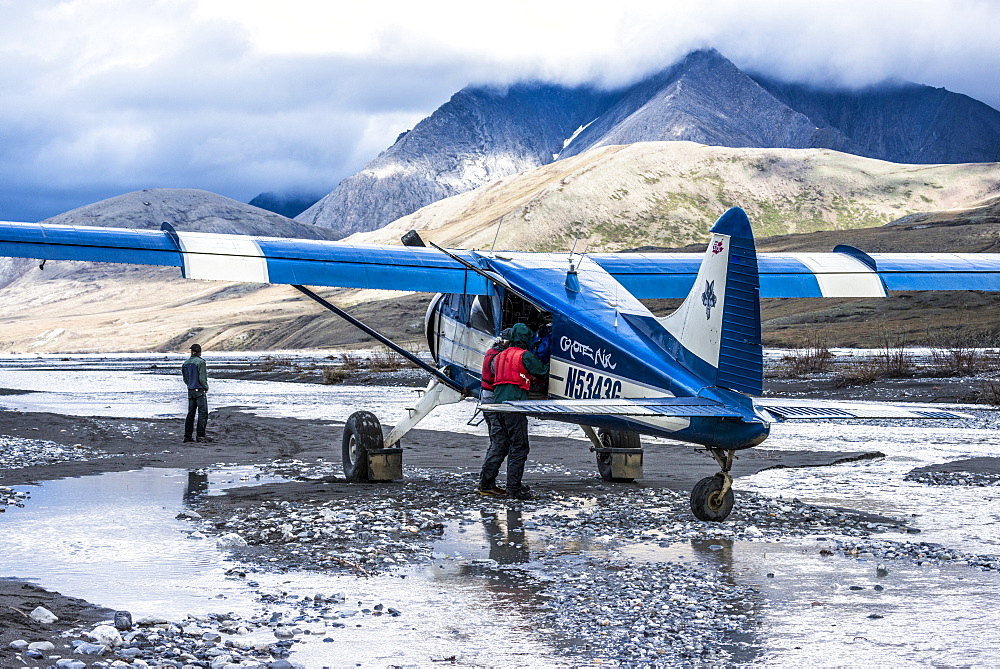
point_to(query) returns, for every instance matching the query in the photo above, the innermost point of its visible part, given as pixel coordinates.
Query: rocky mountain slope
(187, 209)
(484, 134)
(479, 135)
(669, 194)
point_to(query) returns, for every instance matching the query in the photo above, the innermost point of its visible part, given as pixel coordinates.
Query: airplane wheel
(707, 503)
(362, 433)
(615, 439)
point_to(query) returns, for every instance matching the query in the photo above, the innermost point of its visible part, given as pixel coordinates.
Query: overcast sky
(103, 97)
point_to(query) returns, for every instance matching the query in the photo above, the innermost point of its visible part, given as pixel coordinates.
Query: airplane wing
(784, 409)
(847, 272)
(678, 407)
(251, 259)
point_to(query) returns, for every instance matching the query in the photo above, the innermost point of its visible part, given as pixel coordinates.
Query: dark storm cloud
(100, 97)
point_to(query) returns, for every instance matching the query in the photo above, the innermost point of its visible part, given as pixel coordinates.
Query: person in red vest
(488, 483)
(513, 367)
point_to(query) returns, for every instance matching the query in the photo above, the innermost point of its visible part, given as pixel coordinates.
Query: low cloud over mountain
(483, 133)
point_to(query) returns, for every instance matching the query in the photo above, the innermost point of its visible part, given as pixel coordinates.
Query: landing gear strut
(712, 498)
(619, 454)
(370, 457)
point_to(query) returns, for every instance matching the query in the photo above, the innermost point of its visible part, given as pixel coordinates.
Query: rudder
(719, 320)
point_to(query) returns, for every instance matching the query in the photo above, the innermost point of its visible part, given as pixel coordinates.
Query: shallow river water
(114, 539)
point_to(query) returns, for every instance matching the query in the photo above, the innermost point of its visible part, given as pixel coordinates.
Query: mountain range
(668, 194)
(486, 133)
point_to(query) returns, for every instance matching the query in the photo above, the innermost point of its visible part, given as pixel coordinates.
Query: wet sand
(18, 599)
(243, 438)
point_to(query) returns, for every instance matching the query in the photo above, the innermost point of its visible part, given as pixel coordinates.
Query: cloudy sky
(103, 97)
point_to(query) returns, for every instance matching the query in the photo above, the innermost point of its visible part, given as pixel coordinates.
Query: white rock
(106, 635)
(42, 646)
(43, 615)
(231, 540)
(148, 621)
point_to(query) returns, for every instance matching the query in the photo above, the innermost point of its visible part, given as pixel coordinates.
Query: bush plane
(617, 370)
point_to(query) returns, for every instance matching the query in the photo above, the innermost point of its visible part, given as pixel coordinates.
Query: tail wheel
(614, 439)
(362, 433)
(712, 499)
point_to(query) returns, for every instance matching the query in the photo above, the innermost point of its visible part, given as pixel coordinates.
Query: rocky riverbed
(316, 571)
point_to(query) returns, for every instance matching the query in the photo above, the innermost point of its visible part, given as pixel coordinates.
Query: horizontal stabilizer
(675, 407)
(817, 409)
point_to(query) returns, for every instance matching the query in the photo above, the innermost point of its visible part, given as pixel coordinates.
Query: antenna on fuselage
(572, 279)
(496, 236)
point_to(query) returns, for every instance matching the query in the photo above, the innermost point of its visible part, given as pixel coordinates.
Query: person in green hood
(514, 367)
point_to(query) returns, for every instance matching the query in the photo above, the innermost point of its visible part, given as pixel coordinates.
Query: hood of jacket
(520, 336)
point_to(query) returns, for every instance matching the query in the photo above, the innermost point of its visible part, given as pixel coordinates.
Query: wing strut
(441, 376)
(490, 276)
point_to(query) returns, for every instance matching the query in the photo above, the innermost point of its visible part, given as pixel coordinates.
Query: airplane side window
(456, 305)
(481, 317)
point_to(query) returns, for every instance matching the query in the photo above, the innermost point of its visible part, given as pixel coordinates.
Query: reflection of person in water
(197, 484)
(510, 546)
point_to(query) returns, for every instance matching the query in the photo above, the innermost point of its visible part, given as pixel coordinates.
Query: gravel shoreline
(565, 554)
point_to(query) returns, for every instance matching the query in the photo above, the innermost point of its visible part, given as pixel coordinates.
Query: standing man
(498, 437)
(195, 373)
(514, 367)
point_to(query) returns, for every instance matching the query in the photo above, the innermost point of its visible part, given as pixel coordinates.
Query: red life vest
(488, 374)
(511, 370)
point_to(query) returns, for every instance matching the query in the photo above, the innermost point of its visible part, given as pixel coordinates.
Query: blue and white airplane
(617, 370)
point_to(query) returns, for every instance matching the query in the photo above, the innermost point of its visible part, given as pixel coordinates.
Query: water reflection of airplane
(508, 543)
(617, 370)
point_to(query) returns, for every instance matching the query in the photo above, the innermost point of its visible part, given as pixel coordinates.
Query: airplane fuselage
(598, 351)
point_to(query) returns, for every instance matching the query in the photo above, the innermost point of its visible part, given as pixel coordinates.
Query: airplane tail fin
(719, 321)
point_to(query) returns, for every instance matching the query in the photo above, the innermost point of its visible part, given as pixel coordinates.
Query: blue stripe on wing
(292, 261)
(64, 242)
(670, 275)
(939, 271)
(322, 263)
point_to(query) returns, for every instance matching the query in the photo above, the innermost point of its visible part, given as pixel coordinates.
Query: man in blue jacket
(195, 373)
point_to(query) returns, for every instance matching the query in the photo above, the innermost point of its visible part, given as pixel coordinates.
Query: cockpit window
(481, 317)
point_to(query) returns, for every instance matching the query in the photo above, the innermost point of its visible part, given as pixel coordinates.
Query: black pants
(508, 439)
(197, 402)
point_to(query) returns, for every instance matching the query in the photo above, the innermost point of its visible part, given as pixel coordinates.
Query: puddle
(959, 516)
(114, 540)
(806, 607)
